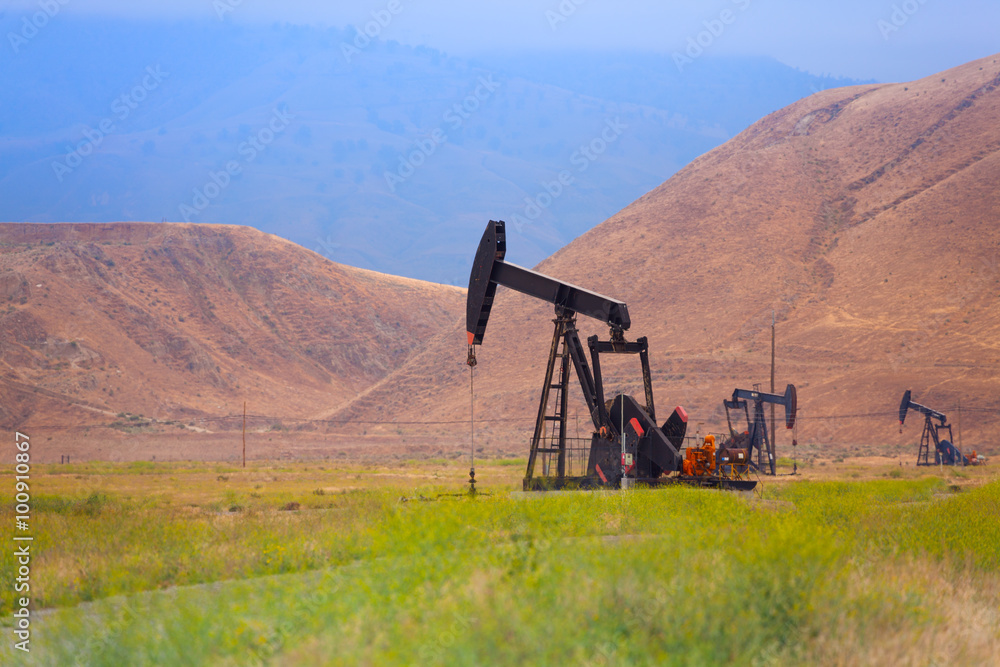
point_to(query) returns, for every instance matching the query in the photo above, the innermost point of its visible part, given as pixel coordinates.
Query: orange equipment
(700, 461)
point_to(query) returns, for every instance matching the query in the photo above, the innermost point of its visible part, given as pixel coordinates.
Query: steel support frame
(757, 431)
(759, 436)
(640, 347)
(567, 345)
(932, 434)
(761, 439)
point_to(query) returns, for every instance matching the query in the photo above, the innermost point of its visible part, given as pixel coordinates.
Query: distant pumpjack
(945, 453)
(756, 436)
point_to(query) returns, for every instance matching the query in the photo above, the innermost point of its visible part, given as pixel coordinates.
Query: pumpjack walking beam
(490, 270)
(759, 438)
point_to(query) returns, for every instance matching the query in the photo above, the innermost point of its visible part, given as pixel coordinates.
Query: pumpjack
(756, 438)
(945, 453)
(626, 445)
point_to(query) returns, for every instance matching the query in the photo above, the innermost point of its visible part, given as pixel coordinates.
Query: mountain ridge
(862, 217)
(177, 321)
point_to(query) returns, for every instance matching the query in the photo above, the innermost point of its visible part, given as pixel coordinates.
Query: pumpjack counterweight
(626, 443)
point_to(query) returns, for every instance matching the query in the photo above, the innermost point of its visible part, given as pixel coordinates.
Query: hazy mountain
(381, 156)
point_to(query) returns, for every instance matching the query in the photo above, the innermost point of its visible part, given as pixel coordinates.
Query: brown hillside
(867, 218)
(175, 321)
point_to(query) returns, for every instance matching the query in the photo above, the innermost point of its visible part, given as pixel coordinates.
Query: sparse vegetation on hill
(179, 321)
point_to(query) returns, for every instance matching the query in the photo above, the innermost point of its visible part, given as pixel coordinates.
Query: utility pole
(960, 427)
(774, 434)
(244, 434)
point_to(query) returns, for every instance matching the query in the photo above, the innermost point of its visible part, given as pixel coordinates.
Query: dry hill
(179, 322)
(867, 218)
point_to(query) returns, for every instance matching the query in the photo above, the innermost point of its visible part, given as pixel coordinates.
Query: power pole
(244, 434)
(960, 427)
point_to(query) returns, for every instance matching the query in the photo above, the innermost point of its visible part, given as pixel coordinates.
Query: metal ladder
(554, 438)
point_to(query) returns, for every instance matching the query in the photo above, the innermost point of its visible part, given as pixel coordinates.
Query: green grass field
(181, 564)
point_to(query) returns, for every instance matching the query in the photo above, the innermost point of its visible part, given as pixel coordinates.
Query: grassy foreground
(178, 569)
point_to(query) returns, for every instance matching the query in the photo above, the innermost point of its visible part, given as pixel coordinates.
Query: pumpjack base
(714, 482)
(594, 483)
(564, 483)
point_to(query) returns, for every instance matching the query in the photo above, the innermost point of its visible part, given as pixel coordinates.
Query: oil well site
(526, 353)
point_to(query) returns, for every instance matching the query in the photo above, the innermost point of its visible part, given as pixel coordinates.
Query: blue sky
(885, 40)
